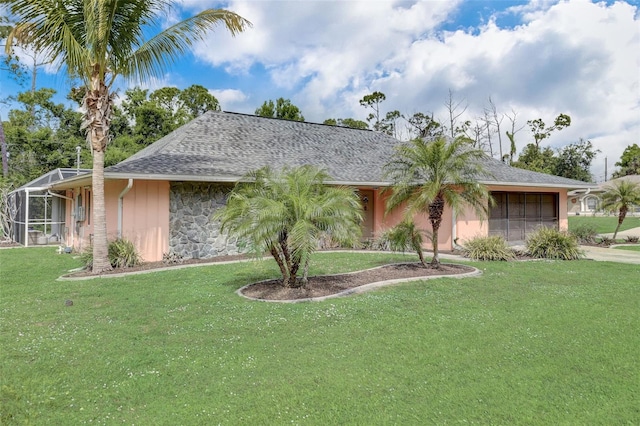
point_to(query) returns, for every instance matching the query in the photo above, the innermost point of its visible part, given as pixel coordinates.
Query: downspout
(454, 232)
(72, 209)
(120, 205)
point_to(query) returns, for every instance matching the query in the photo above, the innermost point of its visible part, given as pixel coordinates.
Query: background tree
(424, 126)
(429, 175)
(41, 136)
(574, 161)
(455, 110)
(97, 41)
(287, 212)
(372, 102)
(282, 109)
(389, 125)
(621, 196)
(197, 100)
(541, 132)
(536, 159)
(629, 162)
(347, 122)
(511, 135)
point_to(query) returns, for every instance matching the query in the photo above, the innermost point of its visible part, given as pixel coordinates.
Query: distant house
(163, 197)
(587, 201)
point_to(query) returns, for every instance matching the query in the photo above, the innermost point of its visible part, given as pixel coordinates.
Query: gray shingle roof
(222, 146)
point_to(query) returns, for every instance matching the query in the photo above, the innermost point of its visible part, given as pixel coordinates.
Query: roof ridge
(293, 121)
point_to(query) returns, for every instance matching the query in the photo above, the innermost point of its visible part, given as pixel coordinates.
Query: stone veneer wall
(192, 233)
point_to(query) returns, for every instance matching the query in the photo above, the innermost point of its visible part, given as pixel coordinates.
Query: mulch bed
(332, 284)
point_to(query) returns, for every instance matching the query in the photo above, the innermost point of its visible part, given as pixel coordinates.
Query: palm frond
(152, 57)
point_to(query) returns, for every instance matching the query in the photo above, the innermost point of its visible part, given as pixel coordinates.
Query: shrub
(607, 241)
(86, 257)
(632, 239)
(488, 248)
(585, 233)
(382, 242)
(122, 254)
(549, 243)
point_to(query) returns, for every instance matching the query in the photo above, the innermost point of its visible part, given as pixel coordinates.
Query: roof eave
(538, 184)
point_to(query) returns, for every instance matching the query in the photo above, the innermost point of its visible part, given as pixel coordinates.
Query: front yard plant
(122, 254)
(585, 233)
(550, 243)
(488, 248)
(287, 213)
(429, 175)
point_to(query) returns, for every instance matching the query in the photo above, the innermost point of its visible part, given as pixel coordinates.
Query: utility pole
(605, 169)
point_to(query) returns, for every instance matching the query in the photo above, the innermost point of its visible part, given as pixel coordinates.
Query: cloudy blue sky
(535, 58)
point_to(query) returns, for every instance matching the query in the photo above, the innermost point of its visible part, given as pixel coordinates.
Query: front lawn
(527, 343)
(604, 224)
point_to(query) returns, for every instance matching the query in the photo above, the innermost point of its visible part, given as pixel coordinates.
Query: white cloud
(230, 99)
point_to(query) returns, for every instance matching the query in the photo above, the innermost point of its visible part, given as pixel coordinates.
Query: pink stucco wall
(145, 217)
(385, 221)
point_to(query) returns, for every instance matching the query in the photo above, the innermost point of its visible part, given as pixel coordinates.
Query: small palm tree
(286, 213)
(621, 196)
(98, 41)
(429, 175)
(406, 236)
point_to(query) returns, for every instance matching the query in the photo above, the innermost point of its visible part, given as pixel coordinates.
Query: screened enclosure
(36, 215)
(516, 214)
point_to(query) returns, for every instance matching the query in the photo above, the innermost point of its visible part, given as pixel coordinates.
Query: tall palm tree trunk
(98, 104)
(100, 245)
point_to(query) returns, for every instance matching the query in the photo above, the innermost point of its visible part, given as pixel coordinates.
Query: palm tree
(621, 196)
(98, 41)
(429, 175)
(286, 213)
(405, 235)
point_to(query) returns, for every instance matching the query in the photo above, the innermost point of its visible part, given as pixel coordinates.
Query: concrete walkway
(633, 232)
(604, 254)
(613, 255)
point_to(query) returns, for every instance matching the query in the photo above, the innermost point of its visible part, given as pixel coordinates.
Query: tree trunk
(98, 104)
(305, 274)
(436, 210)
(100, 244)
(421, 256)
(621, 216)
(281, 264)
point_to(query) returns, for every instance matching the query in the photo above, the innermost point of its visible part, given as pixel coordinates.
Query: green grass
(604, 224)
(527, 343)
(630, 248)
